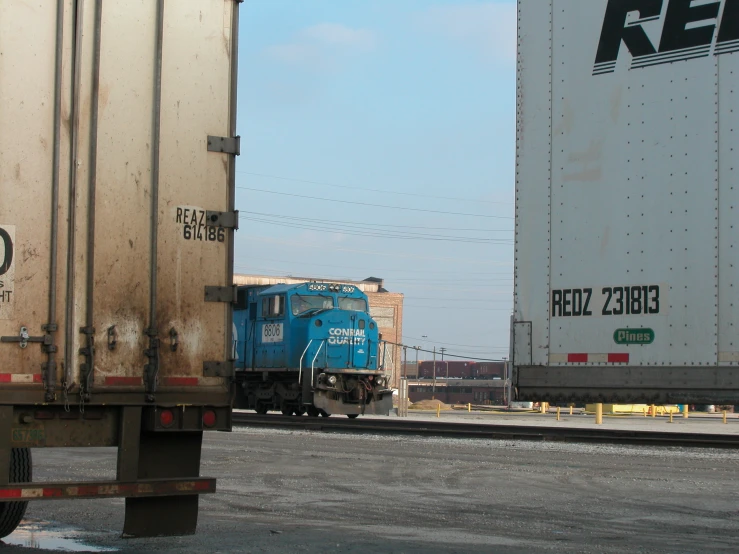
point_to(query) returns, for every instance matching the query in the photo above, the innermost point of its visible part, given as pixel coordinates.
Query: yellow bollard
(724, 416)
(670, 416)
(598, 414)
(571, 409)
(654, 410)
(438, 410)
(557, 413)
(645, 412)
(469, 407)
(685, 411)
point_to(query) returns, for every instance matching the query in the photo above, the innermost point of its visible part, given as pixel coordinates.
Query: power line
(365, 189)
(452, 281)
(385, 270)
(373, 225)
(381, 233)
(374, 205)
(404, 255)
(447, 354)
(451, 299)
(458, 308)
(454, 344)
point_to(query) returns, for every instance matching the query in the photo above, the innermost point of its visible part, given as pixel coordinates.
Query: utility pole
(417, 348)
(405, 362)
(403, 387)
(505, 382)
(433, 390)
(442, 349)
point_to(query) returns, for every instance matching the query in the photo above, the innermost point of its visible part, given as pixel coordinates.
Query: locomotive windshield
(355, 304)
(300, 304)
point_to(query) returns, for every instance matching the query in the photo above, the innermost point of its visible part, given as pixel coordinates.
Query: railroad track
(393, 426)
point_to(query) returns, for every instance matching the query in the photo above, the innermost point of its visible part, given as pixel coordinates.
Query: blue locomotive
(309, 347)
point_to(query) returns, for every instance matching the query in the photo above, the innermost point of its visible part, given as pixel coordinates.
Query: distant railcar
(460, 369)
(444, 369)
(489, 370)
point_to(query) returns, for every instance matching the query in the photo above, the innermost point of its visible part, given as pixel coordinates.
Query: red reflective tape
(5, 377)
(50, 493)
(618, 358)
(10, 493)
(132, 381)
(577, 358)
(37, 378)
(202, 486)
(180, 381)
(88, 490)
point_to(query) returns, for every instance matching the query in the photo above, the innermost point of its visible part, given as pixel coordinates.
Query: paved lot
(290, 491)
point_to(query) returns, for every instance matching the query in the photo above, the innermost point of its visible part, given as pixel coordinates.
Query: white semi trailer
(627, 195)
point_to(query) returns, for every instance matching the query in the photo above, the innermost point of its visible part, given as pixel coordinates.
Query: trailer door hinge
(221, 294)
(226, 145)
(218, 369)
(227, 220)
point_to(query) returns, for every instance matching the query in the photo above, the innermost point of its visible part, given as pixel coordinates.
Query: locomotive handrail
(313, 363)
(300, 366)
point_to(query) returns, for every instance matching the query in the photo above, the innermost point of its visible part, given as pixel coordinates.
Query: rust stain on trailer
(604, 241)
(593, 153)
(567, 122)
(588, 175)
(103, 96)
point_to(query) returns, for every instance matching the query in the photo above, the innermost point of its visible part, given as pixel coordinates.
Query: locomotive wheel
(352, 416)
(299, 411)
(262, 408)
(324, 413)
(11, 513)
(313, 411)
(287, 411)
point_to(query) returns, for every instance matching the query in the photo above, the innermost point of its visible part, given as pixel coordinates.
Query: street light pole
(442, 349)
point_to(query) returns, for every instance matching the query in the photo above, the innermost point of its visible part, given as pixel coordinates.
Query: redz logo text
(663, 31)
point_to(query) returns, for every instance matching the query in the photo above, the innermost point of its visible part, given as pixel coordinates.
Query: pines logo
(664, 31)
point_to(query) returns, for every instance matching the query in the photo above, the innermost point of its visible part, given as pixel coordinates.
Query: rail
(489, 431)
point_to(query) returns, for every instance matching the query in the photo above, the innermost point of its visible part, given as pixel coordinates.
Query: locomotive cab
(308, 347)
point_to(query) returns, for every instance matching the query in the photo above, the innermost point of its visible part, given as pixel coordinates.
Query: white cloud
(323, 46)
(489, 27)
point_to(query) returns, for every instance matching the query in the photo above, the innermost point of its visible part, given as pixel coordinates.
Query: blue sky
(378, 139)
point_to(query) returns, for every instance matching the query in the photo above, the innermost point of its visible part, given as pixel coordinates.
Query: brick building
(386, 308)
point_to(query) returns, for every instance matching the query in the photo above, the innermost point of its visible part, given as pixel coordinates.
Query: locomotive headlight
(332, 380)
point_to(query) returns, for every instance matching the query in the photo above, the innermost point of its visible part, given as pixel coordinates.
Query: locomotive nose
(346, 337)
